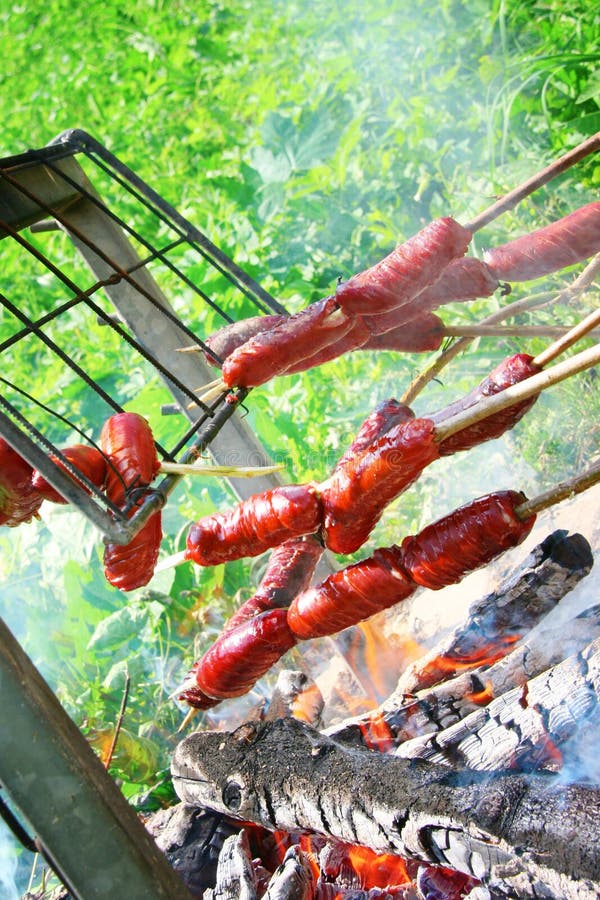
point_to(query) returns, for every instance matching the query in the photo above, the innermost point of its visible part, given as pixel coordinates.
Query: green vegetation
(305, 140)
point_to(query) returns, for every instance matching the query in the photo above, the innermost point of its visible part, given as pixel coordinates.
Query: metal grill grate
(101, 255)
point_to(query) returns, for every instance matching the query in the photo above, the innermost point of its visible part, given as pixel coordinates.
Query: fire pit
(472, 777)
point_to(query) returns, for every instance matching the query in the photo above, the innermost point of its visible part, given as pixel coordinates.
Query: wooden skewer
(567, 340)
(170, 562)
(518, 392)
(211, 384)
(168, 468)
(190, 714)
(526, 331)
(218, 387)
(560, 165)
(561, 491)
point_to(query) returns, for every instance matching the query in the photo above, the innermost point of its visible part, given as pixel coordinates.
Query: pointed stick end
(189, 716)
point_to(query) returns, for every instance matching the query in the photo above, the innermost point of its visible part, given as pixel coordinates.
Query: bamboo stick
(524, 331)
(518, 392)
(168, 468)
(510, 200)
(567, 340)
(562, 491)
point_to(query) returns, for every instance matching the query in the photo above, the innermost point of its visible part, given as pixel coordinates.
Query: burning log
(450, 701)
(500, 619)
(285, 775)
(523, 728)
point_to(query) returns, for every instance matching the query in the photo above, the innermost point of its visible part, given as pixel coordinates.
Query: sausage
(562, 243)
(466, 539)
(288, 573)
(240, 656)
(19, 501)
(232, 336)
(510, 371)
(87, 460)
(356, 494)
(126, 440)
(410, 268)
(298, 337)
(383, 418)
(192, 694)
(255, 525)
(419, 335)
(130, 566)
(439, 555)
(349, 596)
(353, 339)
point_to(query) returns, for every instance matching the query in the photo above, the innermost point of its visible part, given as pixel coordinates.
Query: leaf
(119, 628)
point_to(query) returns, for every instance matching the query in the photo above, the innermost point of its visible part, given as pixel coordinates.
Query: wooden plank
(18, 210)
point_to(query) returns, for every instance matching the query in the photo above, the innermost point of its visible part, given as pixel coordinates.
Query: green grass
(306, 140)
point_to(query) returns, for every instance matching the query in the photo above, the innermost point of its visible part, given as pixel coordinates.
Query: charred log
(498, 620)
(525, 727)
(445, 704)
(527, 834)
(192, 839)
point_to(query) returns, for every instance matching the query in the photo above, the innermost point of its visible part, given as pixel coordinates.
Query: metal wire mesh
(98, 267)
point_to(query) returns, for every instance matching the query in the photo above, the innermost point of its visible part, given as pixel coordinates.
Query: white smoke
(8, 865)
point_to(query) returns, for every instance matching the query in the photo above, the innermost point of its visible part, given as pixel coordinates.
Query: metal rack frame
(48, 189)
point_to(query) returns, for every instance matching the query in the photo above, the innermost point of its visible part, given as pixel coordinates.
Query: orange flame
(377, 869)
(452, 663)
(483, 697)
(377, 734)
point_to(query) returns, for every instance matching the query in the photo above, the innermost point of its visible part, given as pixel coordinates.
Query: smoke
(8, 865)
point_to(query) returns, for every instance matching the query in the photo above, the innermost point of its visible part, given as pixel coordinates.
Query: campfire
(471, 779)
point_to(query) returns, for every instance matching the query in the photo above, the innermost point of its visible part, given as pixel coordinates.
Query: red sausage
(349, 596)
(255, 525)
(510, 371)
(440, 555)
(383, 418)
(131, 566)
(126, 439)
(289, 571)
(297, 338)
(563, 243)
(356, 494)
(353, 339)
(88, 460)
(232, 336)
(420, 335)
(468, 538)
(19, 501)
(414, 265)
(239, 657)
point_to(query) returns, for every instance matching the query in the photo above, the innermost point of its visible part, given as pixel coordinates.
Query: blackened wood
(447, 703)
(524, 727)
(529, 834)
(192, 839)
(495, 622)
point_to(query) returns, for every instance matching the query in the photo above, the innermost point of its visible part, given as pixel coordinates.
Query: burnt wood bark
(495, 622)
(445, 704)
(525, 726)
(527, 834)
(192, 839)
